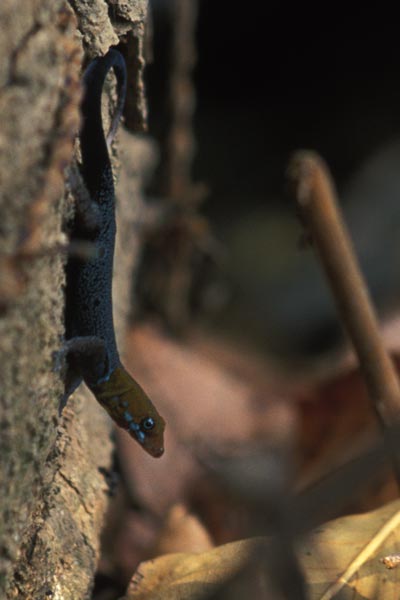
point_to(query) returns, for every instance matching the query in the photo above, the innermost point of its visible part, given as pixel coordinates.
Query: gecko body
(91, 348)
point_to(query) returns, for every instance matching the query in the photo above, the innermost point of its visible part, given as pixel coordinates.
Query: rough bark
(53, 472)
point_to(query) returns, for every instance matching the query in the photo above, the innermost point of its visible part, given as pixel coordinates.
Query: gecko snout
(156, 452)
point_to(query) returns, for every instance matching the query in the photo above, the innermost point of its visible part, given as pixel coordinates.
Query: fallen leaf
(189, 576)
(337, 423)
(345, 556)
(182, 532)
(341, 559)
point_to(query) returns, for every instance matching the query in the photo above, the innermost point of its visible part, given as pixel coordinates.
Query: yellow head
(129, 406)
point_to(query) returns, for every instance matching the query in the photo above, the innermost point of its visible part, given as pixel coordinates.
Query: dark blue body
(89, 281)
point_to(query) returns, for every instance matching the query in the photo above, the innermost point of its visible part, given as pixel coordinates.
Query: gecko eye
(147, 424)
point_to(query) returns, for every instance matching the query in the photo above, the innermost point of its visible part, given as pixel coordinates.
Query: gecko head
(142, 420)
(148, 430)
(130, 407)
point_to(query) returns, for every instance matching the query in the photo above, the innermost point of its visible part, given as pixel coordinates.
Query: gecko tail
(94, 143)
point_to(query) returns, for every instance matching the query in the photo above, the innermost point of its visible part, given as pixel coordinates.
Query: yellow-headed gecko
(90, 349)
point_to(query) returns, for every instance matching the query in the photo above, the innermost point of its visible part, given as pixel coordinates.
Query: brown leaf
(182, 532)
(337, 423)
(345, 556)
(341, 557)
(189, 576)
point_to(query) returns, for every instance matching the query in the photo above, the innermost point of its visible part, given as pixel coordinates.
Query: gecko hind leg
(85, 358)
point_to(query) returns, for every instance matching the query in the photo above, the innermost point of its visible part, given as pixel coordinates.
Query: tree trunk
(53, 472)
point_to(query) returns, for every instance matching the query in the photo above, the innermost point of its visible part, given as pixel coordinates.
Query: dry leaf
(189, 576)
(337, 423)
(342, 559)
(182, 532)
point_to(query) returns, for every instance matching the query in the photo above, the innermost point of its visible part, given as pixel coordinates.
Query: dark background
(272, 78)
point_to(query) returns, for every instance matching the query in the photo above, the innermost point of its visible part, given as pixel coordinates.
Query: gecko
(90, 348)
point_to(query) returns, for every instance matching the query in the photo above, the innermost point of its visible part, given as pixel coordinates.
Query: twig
(320, 215)
(366, 553)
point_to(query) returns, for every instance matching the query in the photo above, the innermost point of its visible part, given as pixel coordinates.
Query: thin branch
(363, 556)
(319, 212)
(178, 141)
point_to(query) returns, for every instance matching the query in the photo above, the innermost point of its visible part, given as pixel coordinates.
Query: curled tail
(94, 145)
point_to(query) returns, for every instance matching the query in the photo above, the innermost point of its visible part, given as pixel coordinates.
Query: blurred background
(228, 303)
(268, 80)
